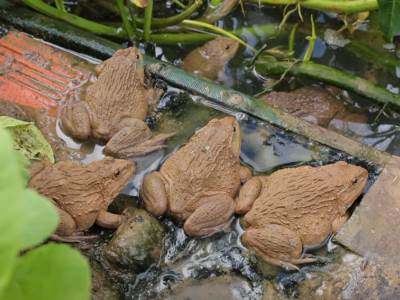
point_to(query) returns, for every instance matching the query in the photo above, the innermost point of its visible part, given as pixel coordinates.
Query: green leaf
(389, 17)
(27, 139)
(40, 219)
(50, 272)
(11, 185)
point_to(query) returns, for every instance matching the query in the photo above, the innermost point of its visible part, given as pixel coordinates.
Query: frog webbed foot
(277, 245)
(210, 217)
(135, 139)
(154, 194)
(75, 120)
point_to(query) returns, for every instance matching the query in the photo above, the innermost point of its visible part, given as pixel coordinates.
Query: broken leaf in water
(28, 139)
(140, 3)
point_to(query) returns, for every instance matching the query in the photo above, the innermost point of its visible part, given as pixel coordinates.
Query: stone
(374, 228)
(137, 243)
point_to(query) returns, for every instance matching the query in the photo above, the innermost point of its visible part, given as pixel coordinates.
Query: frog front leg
(132, 137)
(108, 220)
(75, 120)
(247, 195)
(153, 194)
(211, 216)
(277, 245)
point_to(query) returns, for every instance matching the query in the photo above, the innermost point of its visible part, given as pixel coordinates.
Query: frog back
(200, 168)
(73, 188)
(119, 91)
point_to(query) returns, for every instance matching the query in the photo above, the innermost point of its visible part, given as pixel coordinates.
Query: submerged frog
(297, 207)
(115, 107)
(199, 182)
(315, 105)
(210, 59)
(82, 193)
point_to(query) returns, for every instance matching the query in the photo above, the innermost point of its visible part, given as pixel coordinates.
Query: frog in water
(115, 107)
(199, 182)
(210, 59)
(297, 207)
(314, 104)
(81, 193)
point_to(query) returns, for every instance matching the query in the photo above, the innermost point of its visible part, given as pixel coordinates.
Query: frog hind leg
(154, 194)
(108, 220)
(67, 229)
(277, 245)
(133, 137)
(247, 195)
(211, 216)
(75, 120)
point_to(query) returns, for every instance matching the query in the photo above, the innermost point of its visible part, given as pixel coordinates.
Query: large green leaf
(27, 139)
(51, 272)
(389, 17)
(11, 186)
(40, 219)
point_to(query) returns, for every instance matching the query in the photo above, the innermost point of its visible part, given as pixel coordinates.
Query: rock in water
(137, 243)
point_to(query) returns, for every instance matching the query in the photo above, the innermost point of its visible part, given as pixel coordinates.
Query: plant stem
(125, 16)
(179, 3)
(263, 32)
(60, 5)
(74, 20)
(148, 15)
(215, 13)
(311, 41)
(269, 65)
(203, 25)
(165, 22)
(350, 6)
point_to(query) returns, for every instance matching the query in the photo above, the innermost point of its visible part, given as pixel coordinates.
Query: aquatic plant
(30, 270)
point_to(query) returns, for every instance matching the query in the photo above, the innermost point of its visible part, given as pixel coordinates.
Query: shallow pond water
(219, 267)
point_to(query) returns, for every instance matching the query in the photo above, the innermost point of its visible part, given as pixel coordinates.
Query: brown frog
(199, 182)
(115, 107)
(210, 59)
(82, 193)
(314, 104)
(297, 207)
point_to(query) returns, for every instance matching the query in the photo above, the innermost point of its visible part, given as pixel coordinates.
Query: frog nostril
(355, 180)
(117, 173)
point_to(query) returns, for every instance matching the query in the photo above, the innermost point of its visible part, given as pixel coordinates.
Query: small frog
(210, 59)
(82, 193)
(297, 207)
(199, 182)
(115, 106)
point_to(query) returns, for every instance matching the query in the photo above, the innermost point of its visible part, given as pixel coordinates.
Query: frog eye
(227, 47)
(117, 173)
(355, 180)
